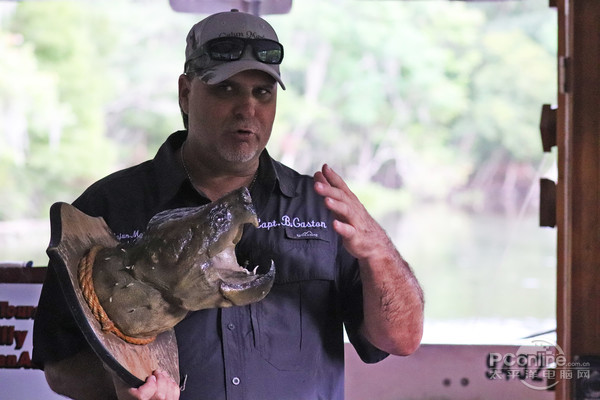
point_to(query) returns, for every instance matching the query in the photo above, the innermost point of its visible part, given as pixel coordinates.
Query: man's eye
(262, 92)
(225, 88)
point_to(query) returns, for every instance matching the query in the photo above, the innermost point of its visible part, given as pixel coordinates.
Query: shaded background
(429, 109)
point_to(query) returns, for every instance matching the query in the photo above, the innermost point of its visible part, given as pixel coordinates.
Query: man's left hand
(392, 297)
(362, 235)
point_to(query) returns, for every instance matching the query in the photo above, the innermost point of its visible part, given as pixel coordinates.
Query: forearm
(81, 377)
(392, 297)
(392, 301)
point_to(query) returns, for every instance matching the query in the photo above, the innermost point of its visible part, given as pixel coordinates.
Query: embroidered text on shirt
(292, 222)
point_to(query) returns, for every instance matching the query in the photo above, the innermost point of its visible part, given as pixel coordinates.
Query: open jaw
(238, 285)
(209, 273)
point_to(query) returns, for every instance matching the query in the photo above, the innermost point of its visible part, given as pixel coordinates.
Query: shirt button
(235, 380)
(230, 326)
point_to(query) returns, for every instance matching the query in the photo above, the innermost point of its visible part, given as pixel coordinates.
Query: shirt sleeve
(56, 335)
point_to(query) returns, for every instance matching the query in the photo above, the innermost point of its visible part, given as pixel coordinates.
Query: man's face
(229, 122)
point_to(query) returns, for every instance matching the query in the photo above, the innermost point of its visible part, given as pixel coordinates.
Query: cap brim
(220, 72)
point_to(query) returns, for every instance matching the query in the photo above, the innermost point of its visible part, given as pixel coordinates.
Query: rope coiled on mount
(84, 276)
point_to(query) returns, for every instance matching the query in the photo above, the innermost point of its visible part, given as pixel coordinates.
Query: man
(335, 266)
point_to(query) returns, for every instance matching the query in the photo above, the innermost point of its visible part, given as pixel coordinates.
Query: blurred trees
(410, 101)
(439, 99)
(53, 90)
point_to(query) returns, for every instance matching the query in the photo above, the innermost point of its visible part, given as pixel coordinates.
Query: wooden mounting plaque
(73, 233)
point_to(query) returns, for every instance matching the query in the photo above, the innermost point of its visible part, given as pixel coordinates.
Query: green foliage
(29, 104)
(408, 97)
(508, 90)
(83, 96)
(147, 59)
(55, 87)
(431, 89)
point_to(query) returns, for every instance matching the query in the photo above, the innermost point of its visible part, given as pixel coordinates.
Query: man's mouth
(244, 130)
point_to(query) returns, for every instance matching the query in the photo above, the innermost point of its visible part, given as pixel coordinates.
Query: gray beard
(238, 156)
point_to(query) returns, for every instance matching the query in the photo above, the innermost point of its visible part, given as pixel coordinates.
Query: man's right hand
(84, 377)
(158, 386)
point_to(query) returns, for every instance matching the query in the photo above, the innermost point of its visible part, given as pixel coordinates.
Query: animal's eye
(220, 215)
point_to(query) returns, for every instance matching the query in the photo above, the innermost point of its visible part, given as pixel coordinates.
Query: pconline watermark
(539, 366)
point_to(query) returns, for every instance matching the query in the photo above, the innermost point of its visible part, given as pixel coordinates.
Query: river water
(487, 278)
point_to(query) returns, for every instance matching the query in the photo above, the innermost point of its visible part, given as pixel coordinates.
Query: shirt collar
(169, 170)
(171, 175)
(272, 172)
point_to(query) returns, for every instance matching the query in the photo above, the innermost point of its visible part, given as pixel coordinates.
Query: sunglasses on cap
(232, 48)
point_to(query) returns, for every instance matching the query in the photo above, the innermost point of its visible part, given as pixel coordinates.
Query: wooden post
(578, 186)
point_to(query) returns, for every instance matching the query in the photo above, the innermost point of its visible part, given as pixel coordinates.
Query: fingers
(327, 180)
(330, 185)
(166, 386)
(147, 390)
(158, 386)
(358, 229)
(333, 178)
(339, 199)
(345, 230)
(319, 177)
(341, 209)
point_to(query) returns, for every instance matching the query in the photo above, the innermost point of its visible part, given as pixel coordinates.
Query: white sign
(19, 381)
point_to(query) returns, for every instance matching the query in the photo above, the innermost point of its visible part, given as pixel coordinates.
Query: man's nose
(245, 106)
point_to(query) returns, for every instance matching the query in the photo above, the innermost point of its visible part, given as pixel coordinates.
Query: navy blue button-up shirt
(287, 346)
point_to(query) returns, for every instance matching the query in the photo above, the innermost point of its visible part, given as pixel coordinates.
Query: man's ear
(185, 83)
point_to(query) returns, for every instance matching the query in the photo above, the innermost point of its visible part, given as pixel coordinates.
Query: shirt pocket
(286, 329)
